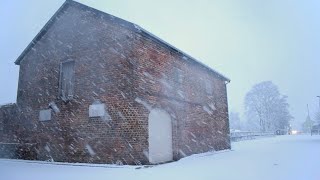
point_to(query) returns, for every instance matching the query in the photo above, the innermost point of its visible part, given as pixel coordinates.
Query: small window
(66, 84)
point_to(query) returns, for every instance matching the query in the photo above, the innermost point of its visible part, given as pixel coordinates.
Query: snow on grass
(276, 158)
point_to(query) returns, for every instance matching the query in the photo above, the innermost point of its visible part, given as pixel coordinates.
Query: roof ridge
(130, 24)
(183, 53)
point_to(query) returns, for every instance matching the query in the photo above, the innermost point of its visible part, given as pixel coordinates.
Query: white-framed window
(66, 82)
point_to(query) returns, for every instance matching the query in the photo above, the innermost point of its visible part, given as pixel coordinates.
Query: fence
(247, 135)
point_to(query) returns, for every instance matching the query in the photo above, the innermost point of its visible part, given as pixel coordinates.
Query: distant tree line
(266, 109)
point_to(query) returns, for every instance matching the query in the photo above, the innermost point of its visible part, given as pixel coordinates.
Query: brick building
(96, 88)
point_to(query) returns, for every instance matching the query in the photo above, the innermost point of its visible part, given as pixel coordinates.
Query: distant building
(96, 88)
(315, 130)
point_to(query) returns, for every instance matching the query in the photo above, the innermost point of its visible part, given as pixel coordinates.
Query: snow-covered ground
(282, 157)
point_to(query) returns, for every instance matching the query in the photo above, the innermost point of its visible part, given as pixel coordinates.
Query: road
(278, 158)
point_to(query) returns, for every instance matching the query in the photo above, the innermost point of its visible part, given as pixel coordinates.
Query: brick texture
(121, 67)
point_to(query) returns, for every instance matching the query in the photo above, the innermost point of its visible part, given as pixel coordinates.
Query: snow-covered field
(282, 157)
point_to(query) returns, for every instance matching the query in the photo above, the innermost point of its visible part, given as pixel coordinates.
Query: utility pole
(309, 122)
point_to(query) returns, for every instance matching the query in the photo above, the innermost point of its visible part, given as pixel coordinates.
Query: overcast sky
(249, 41)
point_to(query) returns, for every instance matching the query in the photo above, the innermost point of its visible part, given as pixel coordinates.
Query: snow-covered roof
(122, 22)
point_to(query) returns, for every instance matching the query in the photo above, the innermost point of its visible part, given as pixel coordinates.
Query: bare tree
(307, 125)
(264, 104)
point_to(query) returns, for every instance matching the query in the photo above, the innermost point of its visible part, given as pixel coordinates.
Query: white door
(160, 136)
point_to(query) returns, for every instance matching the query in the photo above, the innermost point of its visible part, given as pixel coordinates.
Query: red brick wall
(197, 127)
(115, 65)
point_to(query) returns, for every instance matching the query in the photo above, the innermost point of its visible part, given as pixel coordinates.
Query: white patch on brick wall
(90, 150)
(97, 110)
(45, 115)
(145, 104)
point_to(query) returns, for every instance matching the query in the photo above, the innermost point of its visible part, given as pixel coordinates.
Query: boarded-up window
(179, 76)
(66, 85)
(178, 84)
(209, 87)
